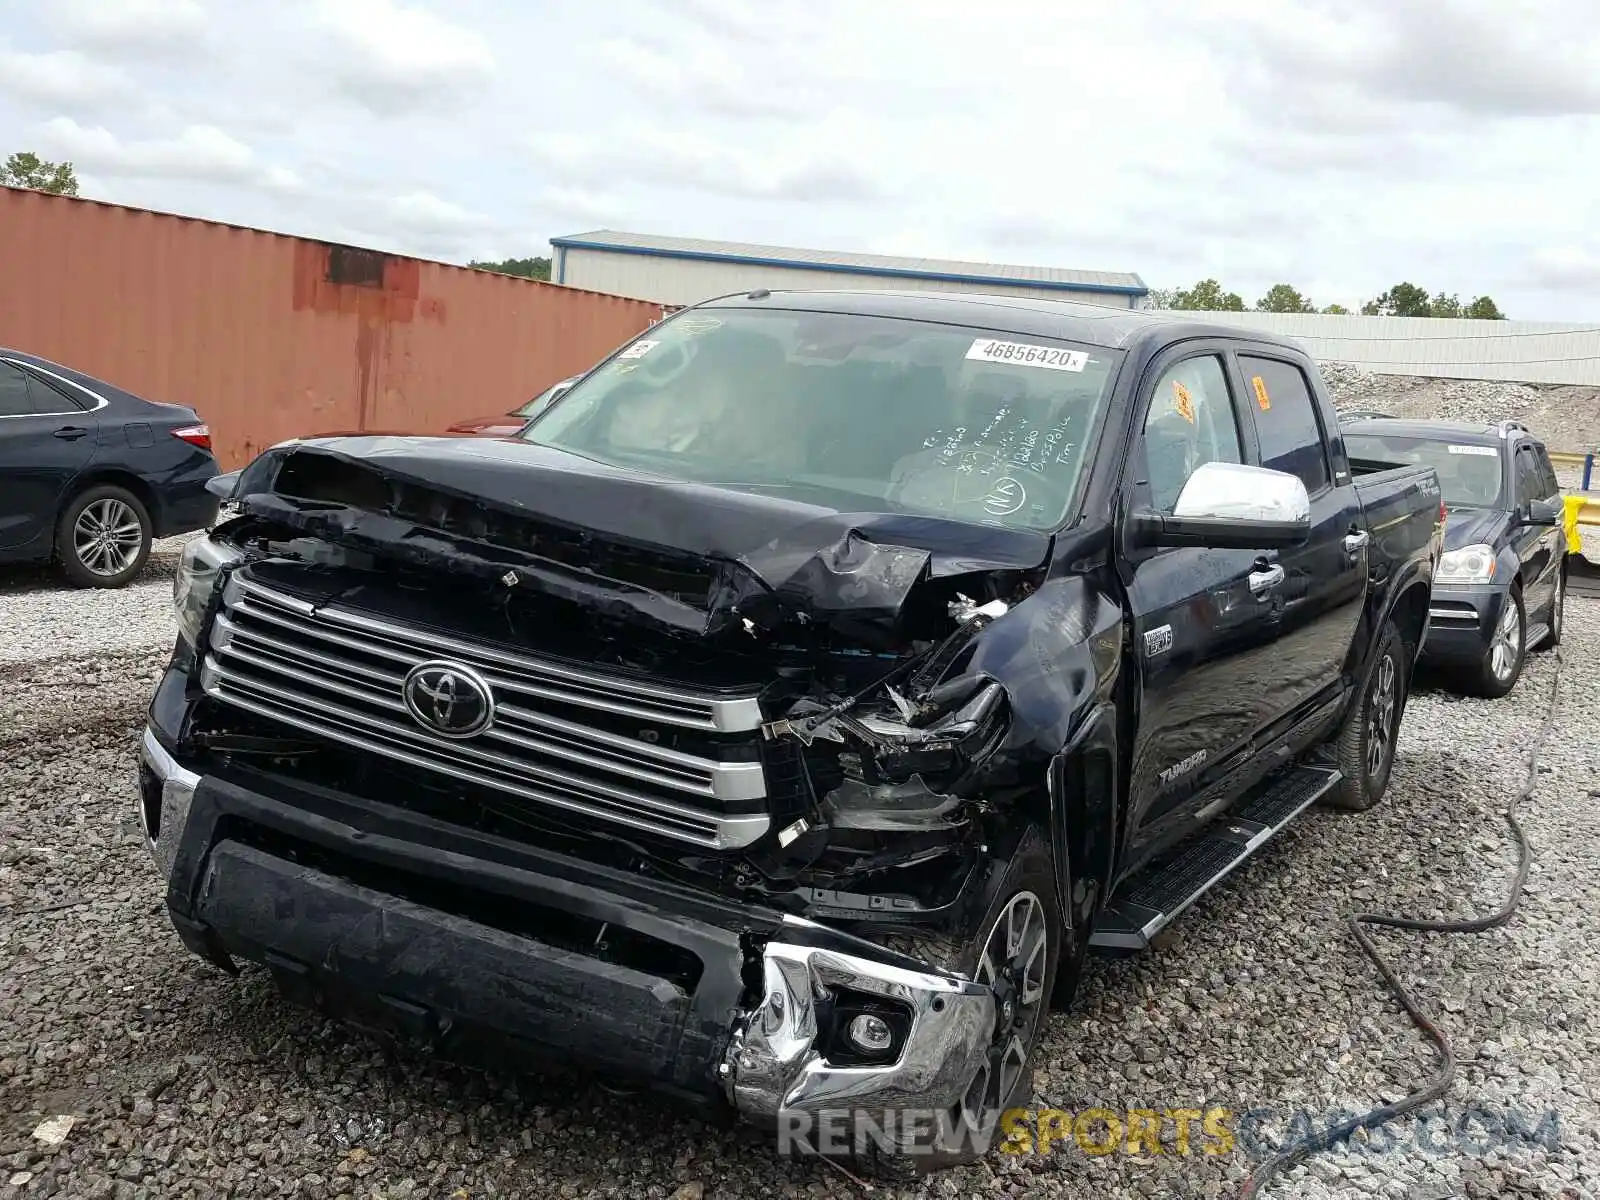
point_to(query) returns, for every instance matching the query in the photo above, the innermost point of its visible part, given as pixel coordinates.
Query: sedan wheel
(104, 537)
(107, 537)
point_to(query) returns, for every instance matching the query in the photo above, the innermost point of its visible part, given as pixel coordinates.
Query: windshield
(859, 413)
(1469, 475)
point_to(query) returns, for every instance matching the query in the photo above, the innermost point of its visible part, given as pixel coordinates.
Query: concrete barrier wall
(270, 337)
(1520, 351)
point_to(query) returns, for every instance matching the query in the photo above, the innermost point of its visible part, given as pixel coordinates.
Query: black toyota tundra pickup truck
(780, 718)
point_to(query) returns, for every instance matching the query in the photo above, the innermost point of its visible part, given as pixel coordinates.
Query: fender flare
(1083, 825)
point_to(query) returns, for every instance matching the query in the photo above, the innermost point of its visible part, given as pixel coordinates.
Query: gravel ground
(34, 623)
(183, 1082)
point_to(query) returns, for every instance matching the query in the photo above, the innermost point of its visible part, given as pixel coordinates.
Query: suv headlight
(1470, 564)
(199, 567)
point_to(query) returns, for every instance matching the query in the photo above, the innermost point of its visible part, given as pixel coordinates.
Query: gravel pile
(35, 623)
(1566, 417)
(179, 1081)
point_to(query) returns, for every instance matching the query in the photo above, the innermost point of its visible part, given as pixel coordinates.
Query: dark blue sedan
(90, 474)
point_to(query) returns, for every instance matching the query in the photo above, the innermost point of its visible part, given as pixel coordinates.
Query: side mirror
(1228, 506)
(1541, 512)
(222, 486)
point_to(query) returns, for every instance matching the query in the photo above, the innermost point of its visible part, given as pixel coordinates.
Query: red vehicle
(513, 421)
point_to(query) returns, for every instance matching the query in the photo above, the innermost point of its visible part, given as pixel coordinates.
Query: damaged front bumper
(450, 935)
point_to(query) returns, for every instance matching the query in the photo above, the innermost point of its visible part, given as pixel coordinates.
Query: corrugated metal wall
(270, 337)
(1525, 351)
(689, 281)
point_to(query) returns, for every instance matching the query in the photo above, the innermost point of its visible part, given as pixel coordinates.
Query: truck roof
(1467, 433)
(1068, 320)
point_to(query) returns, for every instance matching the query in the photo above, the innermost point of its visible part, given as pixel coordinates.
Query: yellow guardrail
(1568, 458)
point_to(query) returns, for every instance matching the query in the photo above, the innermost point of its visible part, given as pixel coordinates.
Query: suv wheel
(103, 537)
(1552, 637)
(1502, 662)
(1364, 748)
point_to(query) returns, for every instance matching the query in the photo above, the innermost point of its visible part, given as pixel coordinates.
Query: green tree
(1444, 306)
(1337, 310)
(527, 268)
(27, 170)
(1207, 295)
(1402, 300)
(1160, 297)
(1482, 308)
(1281, 298)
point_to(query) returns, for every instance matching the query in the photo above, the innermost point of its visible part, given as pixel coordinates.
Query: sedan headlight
(1470, 564)
(199, 568)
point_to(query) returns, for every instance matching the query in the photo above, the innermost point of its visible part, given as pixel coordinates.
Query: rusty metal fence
(270, 337)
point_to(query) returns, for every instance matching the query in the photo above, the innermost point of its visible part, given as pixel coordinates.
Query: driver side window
(1191, 422)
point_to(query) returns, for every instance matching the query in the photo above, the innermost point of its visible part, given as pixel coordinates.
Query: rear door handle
(70, 433)
(1264, 580)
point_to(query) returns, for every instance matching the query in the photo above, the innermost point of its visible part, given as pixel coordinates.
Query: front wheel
(1497, 672)
(103, 537)
(1365, 746)
(1015, 952)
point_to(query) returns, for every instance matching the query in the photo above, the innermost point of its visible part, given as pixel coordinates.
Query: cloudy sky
(1338, 146)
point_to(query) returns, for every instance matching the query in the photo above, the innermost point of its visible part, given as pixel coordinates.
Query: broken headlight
(199, 568)
(903, 770)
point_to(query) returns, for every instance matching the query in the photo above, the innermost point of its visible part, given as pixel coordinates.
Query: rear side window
(1286, 420)
(47, 398)
(13, 392)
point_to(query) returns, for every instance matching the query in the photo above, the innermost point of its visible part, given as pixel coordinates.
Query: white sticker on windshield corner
(639, 349)
(1052, 358)
(1486, 451)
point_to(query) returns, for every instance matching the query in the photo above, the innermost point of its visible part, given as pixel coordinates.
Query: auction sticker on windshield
(1486, 451)
(639, 349)
(1052, 358)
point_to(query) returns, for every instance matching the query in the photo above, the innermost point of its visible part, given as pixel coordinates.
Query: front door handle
(1355, 541)
(1267, 578)
(70, 433)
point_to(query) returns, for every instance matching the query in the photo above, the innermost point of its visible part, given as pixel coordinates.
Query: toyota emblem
(448, 699)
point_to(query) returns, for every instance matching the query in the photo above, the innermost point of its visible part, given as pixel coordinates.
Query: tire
(1025, 899)
(1364, 748)
(1552, 637)
(103, 537)
(1501, 666)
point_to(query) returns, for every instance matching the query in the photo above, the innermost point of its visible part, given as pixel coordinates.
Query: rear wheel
(1365, 746)
(103, 537)
(1501, 665)
(1552, 637)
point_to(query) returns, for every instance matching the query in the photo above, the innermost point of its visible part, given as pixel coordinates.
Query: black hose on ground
(1439, 1083)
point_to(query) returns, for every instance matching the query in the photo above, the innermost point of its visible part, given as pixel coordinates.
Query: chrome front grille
(339, 673)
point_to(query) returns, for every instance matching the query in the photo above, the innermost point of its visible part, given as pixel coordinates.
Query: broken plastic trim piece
(911, 806)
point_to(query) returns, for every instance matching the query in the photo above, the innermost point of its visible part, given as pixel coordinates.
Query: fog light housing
(870, 1033)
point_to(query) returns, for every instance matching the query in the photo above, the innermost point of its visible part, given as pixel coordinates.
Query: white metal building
(678, 271)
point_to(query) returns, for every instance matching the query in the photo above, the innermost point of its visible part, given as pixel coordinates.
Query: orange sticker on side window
(1260, 386)
(1182, 402)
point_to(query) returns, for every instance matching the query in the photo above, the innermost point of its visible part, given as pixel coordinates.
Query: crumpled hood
(1469, 526)
(577, 529)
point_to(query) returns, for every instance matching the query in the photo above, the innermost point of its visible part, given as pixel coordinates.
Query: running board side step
(1151, 900)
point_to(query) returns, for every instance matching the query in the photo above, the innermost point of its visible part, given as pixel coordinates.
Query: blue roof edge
(1052, 285)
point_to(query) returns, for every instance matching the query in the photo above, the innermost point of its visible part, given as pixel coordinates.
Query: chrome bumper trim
(774, 1065)
(177, 793)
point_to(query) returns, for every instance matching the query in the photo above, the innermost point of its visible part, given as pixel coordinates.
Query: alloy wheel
(1381, 714)
(107, 537)
(1015, 961)
(1507, 643)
